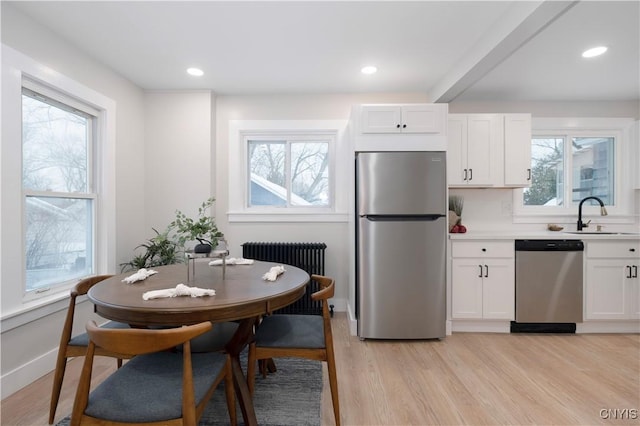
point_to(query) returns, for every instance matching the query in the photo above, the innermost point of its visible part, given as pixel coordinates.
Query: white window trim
(239, 211)
(622, 212)
(17, 67)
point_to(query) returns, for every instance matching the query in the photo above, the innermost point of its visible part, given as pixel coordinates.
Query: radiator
(306, 256)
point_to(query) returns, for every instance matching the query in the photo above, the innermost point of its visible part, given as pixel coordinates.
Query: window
(58, 188)
(288, 171)
(589, 161)
(575, 158)
(292, 172)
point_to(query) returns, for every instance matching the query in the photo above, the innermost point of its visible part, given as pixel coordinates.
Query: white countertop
(541, 235)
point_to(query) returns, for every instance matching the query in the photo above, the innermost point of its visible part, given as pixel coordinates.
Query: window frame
(619, 129)
(288, 138)
(17, 308)
(59, 100)
(242, 130)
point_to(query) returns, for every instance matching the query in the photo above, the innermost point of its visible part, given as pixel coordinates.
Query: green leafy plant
(158, 250)
(203, 228)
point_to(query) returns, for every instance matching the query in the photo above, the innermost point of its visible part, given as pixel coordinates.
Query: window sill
(299, 217)
(34, 310)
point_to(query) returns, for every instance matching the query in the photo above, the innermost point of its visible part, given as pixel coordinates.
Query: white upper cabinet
(473, 144)
(517, 150)
(416, 118)
(489, 150)
(399, 127)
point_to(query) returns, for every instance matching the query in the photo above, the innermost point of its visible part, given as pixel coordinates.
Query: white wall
(29, 342)
(551, 109)
(179, 155)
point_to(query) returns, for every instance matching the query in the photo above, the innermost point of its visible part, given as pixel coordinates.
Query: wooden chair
(71, 347)
(299, 336)
(158, 386)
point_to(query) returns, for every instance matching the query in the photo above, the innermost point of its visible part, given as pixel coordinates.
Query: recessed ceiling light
(370, 69)
(195, 72)
(596, 51)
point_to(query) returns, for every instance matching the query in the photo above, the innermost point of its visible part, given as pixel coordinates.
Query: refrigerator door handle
(402, 218)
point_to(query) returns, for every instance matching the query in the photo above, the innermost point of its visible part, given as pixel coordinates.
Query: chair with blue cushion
(71, 347)
(298, 336)
(158, 385)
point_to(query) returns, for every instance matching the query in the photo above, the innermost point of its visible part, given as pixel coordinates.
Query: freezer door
(391, 183)
(401, 279)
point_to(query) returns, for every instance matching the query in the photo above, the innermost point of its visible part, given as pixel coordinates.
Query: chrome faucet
(603, 211)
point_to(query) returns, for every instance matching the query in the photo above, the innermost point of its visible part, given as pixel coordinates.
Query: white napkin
(273, 273)
(142, 274)
(180, 290)
(232, 261)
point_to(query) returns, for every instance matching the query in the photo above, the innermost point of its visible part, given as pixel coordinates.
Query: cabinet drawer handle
(486, 271)
(528, 174)
(635, 271)
(632, 250)
(480, 276)
(628, 268)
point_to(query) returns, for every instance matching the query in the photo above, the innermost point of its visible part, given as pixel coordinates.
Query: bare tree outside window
(288, 173)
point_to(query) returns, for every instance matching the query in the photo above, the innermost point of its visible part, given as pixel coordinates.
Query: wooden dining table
(240, 294)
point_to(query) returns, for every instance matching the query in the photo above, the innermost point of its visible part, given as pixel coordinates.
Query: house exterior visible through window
(566, 168)
(290, 171)
(58, 189)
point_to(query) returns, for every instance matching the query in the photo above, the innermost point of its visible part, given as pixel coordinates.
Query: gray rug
(289, 397)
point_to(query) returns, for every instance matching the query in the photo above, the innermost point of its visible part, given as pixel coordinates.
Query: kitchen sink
(599, 233)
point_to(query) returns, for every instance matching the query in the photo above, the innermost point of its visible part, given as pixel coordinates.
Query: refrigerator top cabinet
(399, 127)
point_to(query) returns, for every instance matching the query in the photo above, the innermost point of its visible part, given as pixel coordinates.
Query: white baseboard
(480, 326)
(28, 373)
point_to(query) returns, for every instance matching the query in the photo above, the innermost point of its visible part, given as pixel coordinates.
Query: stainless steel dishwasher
(548, 285)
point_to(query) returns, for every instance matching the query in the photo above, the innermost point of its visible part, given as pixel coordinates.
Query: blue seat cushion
(291, 331)
(148, 388)
(83, 339)
(215, 339)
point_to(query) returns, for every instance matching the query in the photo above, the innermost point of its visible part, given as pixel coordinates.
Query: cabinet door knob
(404, 126)
(484, 249)
(397, 126)
(632, 250)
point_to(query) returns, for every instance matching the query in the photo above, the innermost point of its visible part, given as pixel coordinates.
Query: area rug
(290, 397)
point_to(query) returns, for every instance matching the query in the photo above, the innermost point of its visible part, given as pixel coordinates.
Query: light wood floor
(475, 379)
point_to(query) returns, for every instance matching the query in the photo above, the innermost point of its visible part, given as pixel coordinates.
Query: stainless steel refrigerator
(401, 213)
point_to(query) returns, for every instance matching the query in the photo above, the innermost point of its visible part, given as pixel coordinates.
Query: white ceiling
(475, 50)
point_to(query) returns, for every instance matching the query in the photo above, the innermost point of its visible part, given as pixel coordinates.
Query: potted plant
(202, 229)
(159, 250)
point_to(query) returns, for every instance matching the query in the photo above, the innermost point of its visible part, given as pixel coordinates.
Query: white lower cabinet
(482, 287)
(612, 283)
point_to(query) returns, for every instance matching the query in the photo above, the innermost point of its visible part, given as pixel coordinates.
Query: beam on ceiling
(519, 25)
